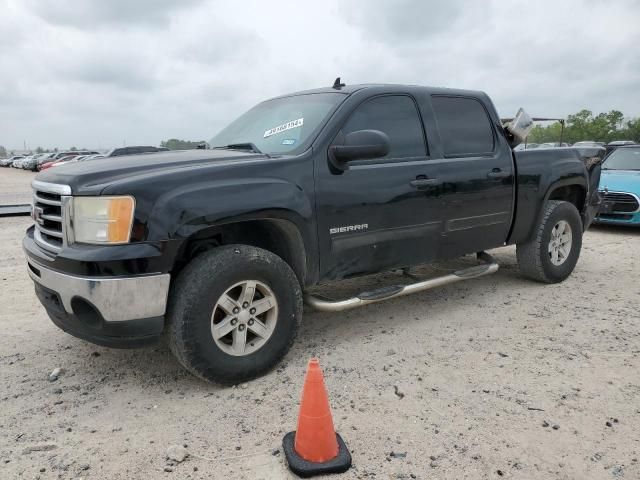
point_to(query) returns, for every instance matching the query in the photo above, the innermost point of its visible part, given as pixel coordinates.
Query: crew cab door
(477, 174)
(382, 213)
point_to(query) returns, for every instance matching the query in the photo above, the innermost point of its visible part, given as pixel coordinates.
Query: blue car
(620, 187)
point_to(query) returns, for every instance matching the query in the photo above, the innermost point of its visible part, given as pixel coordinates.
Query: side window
(464, 126)
(395, 115)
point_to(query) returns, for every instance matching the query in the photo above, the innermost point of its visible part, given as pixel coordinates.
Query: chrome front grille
(622, 202)
(49, 201)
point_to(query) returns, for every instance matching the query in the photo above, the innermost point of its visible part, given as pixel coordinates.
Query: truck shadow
(154, 370)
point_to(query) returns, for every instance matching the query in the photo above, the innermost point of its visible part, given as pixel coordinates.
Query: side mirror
(361, 145)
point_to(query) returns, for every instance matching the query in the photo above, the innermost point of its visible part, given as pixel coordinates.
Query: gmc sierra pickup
(214, 248)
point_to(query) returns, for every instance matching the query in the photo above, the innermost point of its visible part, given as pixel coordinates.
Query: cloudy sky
(100, 73)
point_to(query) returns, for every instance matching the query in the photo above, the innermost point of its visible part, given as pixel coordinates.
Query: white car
(7, 162)
(18, 162)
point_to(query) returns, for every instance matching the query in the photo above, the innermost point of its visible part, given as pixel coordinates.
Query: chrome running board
(385, 293)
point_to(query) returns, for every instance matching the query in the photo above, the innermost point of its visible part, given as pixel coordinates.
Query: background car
(58, 156)
(44, 159)
(118, 152)
(553, 145)
(526, 146)
(18, 162)
(69, 159)
(7, 162)
(93, 157)
(588, 143)
(620, 187)
(56, 161)
(611, 146)
(82, 158)
(31, 162)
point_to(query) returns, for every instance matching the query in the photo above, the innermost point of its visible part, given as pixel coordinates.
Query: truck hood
(620, 181)
(92, 176)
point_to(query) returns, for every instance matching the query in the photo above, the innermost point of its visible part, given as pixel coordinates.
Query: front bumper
(631, 219)
(110, 311)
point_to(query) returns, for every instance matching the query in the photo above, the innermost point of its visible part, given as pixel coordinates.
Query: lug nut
(250, 322)
(234, 321)
(236, 309)
(241, 327)
(252, 311)
(245, 304)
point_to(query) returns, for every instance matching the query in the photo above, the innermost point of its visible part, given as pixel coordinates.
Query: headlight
(103, 220)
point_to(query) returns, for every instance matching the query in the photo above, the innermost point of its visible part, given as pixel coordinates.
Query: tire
(536, 257)
(196, 303)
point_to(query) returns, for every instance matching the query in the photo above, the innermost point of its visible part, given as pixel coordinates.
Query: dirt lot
(15, 186)
(493, 378)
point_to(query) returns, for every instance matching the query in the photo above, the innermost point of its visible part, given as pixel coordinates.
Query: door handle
(423, 182)
(498, 173)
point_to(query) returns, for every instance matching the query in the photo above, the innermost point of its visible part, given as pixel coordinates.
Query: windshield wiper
(240, 146)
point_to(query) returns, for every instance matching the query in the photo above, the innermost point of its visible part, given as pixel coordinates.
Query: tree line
(584, 125)
(175, 144)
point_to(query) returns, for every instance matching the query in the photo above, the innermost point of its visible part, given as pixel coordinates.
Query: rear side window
(465, 127)
(395, 115)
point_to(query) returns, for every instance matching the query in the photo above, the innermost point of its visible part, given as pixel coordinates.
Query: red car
(50, 164)
(63, 156)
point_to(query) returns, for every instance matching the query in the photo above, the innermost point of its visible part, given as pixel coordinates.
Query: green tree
(632, 130)
(545, 133)
(583, 125)
(175, 144)
(3, 151)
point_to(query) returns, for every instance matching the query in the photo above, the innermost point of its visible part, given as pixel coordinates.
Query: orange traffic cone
(315, 448)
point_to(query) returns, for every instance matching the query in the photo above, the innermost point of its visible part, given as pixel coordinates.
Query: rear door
(381, 213)
(477, 174)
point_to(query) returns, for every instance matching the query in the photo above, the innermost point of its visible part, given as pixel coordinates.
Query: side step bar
(385, 293)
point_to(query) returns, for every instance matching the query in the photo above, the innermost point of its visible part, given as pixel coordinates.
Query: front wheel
(553, 251)
(233, 313)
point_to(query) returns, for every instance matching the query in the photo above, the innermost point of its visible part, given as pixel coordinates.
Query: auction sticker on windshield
(285, 126)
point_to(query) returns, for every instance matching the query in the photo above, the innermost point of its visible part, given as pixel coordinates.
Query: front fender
(185, 210)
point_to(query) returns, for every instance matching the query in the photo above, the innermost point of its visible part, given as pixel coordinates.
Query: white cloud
(96, 73)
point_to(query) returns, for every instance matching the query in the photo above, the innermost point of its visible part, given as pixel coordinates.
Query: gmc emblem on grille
(37, 215)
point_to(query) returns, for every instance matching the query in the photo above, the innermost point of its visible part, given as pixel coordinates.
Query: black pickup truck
(215, 248)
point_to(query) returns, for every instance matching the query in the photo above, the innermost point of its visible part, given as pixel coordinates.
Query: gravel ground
(497, 377)
(15, 186)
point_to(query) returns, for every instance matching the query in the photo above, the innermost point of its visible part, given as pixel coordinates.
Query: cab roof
(349, 89)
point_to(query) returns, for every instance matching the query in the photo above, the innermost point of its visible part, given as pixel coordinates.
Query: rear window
(465, 127)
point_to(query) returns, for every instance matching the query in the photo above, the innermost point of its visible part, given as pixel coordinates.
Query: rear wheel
(552, 253)
(233, 313)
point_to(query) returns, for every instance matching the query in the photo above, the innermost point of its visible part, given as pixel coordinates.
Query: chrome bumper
(118, 299)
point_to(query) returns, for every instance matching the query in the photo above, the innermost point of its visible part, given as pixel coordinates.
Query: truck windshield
(281, 125)
(623, 159)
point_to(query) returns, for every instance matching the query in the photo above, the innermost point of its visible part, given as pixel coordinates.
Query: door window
(465, 128)
(395, 115)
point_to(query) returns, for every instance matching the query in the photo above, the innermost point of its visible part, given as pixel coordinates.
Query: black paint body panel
(180, 194)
